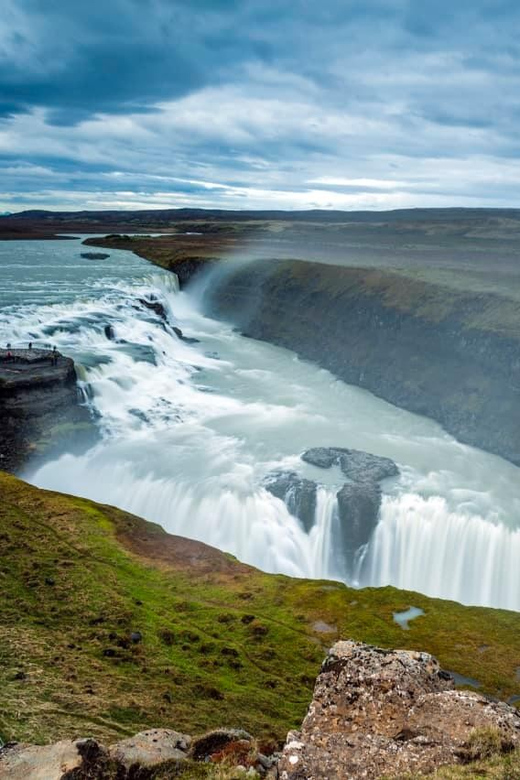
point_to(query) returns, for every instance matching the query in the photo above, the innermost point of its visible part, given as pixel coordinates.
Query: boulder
(297, 493)
(81, 759)
(389, 713)
(203, 748)
(141, 755)
(155, 306)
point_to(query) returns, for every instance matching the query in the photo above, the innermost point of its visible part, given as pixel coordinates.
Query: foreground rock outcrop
(375, 713)
(38, 400)
(380, 713)
(149, 755)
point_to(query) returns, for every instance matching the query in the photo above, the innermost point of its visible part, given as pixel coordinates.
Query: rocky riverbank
(39, 403)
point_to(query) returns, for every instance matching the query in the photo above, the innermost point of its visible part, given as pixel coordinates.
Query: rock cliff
(39, 402)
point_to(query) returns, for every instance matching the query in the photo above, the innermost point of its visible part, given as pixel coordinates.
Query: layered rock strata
(38, 399)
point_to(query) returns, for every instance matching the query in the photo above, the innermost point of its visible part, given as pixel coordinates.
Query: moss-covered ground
(109, 625)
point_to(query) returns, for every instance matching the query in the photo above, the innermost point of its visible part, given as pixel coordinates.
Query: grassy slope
(77, 578)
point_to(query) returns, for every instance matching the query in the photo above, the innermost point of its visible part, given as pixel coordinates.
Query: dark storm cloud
(345, 102)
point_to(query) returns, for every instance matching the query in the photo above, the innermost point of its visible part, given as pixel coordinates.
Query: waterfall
(419, 544)
(190, 429)
(322, 536)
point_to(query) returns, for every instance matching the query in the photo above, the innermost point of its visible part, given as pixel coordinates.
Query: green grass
(222, 644)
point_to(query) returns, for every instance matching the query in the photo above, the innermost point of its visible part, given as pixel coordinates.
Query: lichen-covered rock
(150, 750)
(381, 713)
(81, 759)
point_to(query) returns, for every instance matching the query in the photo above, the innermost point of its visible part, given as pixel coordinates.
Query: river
(189, 432)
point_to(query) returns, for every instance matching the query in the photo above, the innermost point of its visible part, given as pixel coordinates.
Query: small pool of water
(403, 618)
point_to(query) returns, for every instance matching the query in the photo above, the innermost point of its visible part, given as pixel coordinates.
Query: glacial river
(190, 430)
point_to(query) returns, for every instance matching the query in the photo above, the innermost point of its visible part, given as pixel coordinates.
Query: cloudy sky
(259, 103)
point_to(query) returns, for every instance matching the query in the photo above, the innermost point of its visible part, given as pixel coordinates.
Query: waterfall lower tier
(251, 524)
(420, 545)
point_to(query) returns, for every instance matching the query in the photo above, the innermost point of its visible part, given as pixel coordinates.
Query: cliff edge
(39, 401)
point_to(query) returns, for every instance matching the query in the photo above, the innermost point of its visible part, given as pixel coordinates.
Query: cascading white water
(419, 544)
(190, 431)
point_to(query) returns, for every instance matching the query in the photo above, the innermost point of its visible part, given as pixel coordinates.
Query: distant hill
(162, 216)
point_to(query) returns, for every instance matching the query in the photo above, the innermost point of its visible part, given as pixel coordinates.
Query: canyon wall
(442, 352)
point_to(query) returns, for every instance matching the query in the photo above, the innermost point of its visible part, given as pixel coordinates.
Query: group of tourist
(12, 357)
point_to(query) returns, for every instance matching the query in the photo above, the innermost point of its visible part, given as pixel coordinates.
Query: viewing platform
(21, 368)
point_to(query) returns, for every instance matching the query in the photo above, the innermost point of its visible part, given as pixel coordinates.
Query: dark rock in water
(95, 255)
(355, 464)
(178, 332)
(299, 495)
(390, 713)
(155, 306)
(110, 332)
(358, 507)
(323, 457)
(359, 499)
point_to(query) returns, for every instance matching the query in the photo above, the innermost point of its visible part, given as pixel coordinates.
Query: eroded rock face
(358, 507)
(298, 494)
(381, 713)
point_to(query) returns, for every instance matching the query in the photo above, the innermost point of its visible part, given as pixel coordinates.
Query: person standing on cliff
(54, 356)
